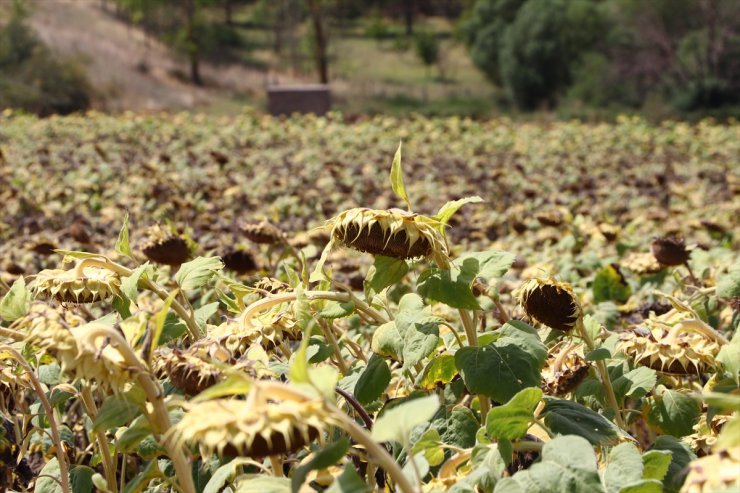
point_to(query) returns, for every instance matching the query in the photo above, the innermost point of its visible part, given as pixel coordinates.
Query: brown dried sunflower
(81, 285)
(256, 427)
(550, 302)
(263, 232)
(194, 369)
(239, 261)
(670, 250)
(268, 330)
(164, 248)
(642, 263)
(564, 372)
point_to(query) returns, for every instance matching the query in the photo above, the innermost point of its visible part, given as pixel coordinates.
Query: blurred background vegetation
(591, 59)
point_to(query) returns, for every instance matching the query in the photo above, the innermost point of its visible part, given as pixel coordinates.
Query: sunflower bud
(550, 302)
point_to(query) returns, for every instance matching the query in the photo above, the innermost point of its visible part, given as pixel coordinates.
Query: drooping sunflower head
(661, 344)
(271, 285)
(239, 261)
(392, 233)
(564, 372)
(87, 285)
(550, 302)
(194, 369)
(164, 248)
(256, 427)
(263, 232)
(717, 472)
(642, 263)
(670, 250)
(267, 330)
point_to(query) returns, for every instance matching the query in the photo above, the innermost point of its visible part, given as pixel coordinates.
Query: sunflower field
(246, 304)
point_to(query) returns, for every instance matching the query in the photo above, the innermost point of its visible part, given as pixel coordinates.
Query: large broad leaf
(130, 284)
(509, 364)
(623, 468)
(396, 424)
(673, 412)
(728, 285)
(570, 418)
(48, 481)
(373, 380)
(610, 285)
(488, 265)
(397, 177)
(197, 272)
(449, 287)
(385, 272)
(430, 443)
(117, 410)
(635, 383)
(203, 313)
(512, 420)
(453, 286)
(567, 464)
(681, 456)
(655, 464)
(324, 458)
(17, 302)
(260, 483)
(413, 335)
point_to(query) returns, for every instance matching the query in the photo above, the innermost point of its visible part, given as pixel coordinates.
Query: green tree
(530, 47)
(427, 48)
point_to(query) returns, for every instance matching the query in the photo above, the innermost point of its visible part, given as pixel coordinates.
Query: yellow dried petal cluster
(719, 472)
(705, 434)
(683, 353)
(550, 302)
(69, 286)
(267, 330)
(562, 375)
(252, 428)
(642, 263)
(65, 336)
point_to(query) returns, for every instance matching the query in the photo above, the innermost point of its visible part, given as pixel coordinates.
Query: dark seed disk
(551, 306)
(374, 240)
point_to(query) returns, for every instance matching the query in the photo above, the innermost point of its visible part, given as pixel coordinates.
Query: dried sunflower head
(87, 285)
(392, 233)
(194, 369)
(719, 472)
(267, 330)
(239, 261)
(564, 372)
(660, 344)
(256, 427)
(164, 248)
(272, 285)
(65, 336)
(642, 263)
(263, 232)
(705, 433)
(550, 302)
(669, 250)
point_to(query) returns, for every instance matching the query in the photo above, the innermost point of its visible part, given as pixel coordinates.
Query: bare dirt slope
(130, 69)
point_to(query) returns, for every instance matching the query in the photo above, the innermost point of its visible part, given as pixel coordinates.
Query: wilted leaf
(610, 285)
(122, 243)
(17, 302)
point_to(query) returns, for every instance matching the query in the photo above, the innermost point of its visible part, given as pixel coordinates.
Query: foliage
(424, 368)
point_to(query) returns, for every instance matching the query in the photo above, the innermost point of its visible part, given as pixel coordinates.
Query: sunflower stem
(329, 335)
(49, 411)
(698, 326)
(158, 416)
(109, 465)
(603, 373)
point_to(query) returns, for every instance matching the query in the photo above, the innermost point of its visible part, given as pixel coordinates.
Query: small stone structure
(307, 98)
